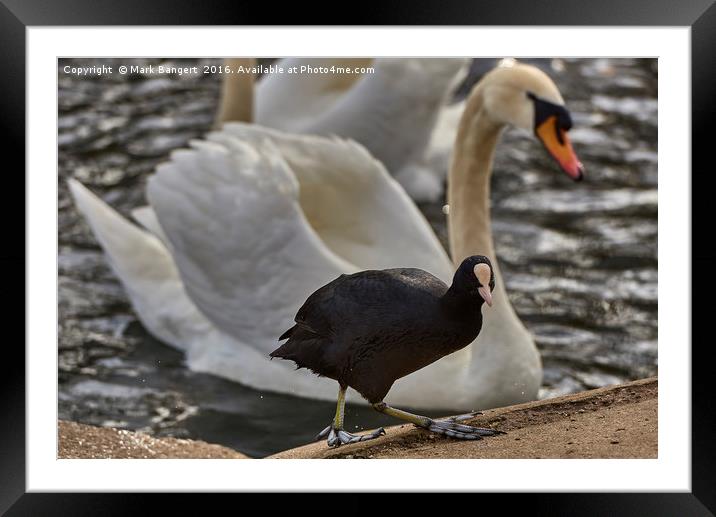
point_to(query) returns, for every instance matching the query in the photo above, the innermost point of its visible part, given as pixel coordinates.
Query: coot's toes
(338, 437)
(323, 434)
(450, 428)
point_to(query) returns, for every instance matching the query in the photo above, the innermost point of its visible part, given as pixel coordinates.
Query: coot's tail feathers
(307, 350)
(289, 352)
(286, 335)
(297, 350)
(280, 352)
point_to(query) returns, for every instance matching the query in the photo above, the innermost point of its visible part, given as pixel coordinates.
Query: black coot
(368, 329)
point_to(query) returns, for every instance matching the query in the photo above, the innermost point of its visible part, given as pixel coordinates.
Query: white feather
(145, 216)
(239, 236)
(156, 290)
(392, 112)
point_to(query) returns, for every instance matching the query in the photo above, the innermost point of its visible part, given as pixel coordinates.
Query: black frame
(700, 15)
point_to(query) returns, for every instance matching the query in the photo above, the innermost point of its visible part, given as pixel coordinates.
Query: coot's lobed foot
(451, 428)
(323, 434)
(338, 437)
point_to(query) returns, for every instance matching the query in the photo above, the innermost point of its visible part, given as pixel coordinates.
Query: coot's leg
(449, 426)
(335, 433)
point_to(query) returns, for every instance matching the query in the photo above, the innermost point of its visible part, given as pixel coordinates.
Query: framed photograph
(417, 249)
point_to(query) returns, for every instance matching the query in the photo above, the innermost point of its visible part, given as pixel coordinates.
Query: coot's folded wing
(369, 298)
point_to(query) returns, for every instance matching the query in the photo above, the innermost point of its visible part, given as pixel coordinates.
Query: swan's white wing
(424, 179)
(352, 203)
(442, 140)
(146, 270)
(145, 216)
(246, 254)
(290, 101)
(392, 111)
(359, 211)
(422, 182)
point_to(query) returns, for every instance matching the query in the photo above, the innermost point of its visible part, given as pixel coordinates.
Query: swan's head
(525, 97)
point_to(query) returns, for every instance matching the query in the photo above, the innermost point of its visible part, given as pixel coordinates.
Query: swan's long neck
(469, 182)
(503, 335)
(237, 93)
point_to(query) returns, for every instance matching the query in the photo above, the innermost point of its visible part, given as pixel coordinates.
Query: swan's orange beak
(557, 143)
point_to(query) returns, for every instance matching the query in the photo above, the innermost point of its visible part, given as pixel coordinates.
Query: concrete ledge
(613, 422)
(90, 442)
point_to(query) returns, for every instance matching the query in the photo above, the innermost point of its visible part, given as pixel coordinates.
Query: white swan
(290, 101)
(391, 110)
(252, 220)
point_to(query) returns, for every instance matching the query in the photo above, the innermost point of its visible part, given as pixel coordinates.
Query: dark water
(580, 260)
